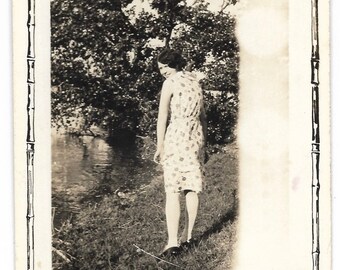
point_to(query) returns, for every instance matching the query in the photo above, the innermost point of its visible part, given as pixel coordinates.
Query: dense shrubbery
(222, 117)
(104, 69)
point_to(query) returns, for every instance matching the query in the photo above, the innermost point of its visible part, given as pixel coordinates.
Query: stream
(86, 168)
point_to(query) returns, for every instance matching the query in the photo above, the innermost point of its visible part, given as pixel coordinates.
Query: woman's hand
(158, 155)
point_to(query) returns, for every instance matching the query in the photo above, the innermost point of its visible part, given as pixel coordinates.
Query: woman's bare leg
(172, 212)
(192, 203)
(184, 235)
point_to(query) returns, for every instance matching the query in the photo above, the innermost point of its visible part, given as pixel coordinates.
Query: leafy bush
(221, 117)
(104, 69)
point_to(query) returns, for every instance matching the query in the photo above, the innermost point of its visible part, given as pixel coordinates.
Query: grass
(104, 235)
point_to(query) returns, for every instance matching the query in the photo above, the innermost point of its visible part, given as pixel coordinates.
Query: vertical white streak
(263, 140)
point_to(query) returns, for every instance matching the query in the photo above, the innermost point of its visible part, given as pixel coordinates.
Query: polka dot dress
(183, 144)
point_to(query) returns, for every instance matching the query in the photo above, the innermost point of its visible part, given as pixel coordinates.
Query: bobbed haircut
(172, 58)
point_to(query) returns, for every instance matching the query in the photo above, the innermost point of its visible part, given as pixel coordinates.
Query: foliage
(221, 117)
(104, 69)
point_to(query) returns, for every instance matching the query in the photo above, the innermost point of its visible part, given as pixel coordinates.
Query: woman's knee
(172, 196)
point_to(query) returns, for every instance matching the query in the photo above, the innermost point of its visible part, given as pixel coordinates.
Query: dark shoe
(172, 251)
(187, 244)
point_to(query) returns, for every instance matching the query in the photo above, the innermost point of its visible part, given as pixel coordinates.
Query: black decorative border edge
(30, 138)
(315, 152)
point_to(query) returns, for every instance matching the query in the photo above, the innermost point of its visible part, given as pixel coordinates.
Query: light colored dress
(184, 141)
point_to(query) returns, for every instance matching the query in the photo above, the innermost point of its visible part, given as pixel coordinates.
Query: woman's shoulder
(168, 85)
(171, 81)
(183, 76)
(168, 82)
(181, 79)
(173, 78)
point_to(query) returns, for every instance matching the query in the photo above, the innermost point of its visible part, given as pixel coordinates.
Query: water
(85, 168)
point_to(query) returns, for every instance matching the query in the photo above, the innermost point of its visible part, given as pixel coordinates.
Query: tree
(104, 69)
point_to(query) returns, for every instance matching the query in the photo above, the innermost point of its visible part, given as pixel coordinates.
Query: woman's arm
(162, 119)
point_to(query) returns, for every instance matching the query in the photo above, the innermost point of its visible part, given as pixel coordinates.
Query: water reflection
(85, 168)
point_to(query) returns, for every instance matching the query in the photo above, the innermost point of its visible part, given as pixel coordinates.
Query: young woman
(180, 145)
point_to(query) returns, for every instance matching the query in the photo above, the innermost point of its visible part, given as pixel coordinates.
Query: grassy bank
(104, 235)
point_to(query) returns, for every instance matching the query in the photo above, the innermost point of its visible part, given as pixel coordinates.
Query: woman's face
(165, 70)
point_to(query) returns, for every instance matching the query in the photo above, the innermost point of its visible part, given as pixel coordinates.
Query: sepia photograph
(171, 134)
(144, 108)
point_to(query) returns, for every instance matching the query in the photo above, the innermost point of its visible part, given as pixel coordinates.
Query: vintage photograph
(144, 109)
(158, 134)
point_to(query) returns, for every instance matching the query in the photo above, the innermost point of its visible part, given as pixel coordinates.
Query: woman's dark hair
(172, 58)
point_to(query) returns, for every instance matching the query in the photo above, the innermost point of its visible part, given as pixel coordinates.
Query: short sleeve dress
(184, 141)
